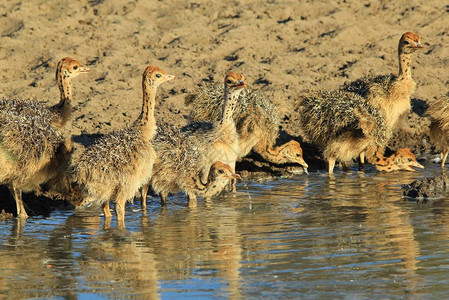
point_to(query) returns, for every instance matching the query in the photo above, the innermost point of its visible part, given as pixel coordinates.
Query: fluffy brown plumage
(391, 93)
(177, 167)
(118, 164)
(341, 124)
(32, 150)
(190, 151)
(27, 145)
(256, 119)
(439, 129)
(179, 160)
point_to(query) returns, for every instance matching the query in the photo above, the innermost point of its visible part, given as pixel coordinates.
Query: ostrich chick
(439, 128)
(118, 164)
(391, 93)
(191, 150)
(402, 159)
(256, 120)
(218, 173)
(32, 150)
(59, 114)
(341, 124)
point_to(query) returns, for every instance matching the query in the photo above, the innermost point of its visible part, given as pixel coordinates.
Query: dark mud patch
(35, 204)
(427, 188)
(253, 165)
(250, 167)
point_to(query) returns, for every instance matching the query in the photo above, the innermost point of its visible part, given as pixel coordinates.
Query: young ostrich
(32, 151)
(118, 164)
(192, 150)
(59, 114)
(402, 159)
(218, 173)
(341, 124)
(391, 93)
(439, 129)
(256, 120)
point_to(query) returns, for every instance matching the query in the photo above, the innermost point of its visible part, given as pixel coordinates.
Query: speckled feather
(112, 162)
(253, 111)
(325, 115)
(439, 112)
(29, 107)
(364, 85)
(439, 129)
(391, 93)
(27, 140)
(179, 157)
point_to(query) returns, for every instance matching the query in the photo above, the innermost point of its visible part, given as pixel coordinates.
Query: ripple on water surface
(307, 236)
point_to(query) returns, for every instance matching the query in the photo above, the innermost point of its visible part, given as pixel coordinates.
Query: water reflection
(352, 235)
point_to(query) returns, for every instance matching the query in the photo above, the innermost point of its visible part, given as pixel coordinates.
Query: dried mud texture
(282, 48)
(427, 188)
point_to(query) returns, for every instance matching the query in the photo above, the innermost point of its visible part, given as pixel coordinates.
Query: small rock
(432, 187)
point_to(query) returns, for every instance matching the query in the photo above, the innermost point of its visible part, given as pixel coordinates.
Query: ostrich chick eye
(229, 81)
(406, 42)
(298, 155)
(75, 67)
(158, 75)
(220, 171)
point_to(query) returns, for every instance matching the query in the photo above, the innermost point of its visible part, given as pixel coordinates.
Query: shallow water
(353, 236)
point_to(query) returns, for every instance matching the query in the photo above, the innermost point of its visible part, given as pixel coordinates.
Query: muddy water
(352, 236)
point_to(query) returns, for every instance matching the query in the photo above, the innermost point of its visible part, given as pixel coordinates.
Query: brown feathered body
(115, 167)
(341, 124)
(439, 129)
(391, 93)
(193, 149)
(121, 162)
(387, 93)
(257, 123)
(220, 142)
(255, 117)
(179, 164)
(184, 153)
(59, 114)
(28, 144)
(30, 107)
(439, 113)
(33, 151)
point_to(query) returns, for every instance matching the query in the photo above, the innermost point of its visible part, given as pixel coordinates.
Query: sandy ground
(282, 47)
